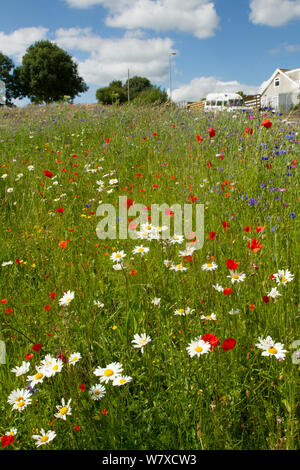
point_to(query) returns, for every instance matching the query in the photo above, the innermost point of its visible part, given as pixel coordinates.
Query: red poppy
(225, 225)
(266, 299)
(63, 244)
(76, 428)
(259, 228)
(212, 339)
(107, 140)
(199, 138)
(252, 306)
(266, 123)
(128, 203)
(60, 209)
(82, 387)
(255, 245)
(211, 132)
(52, 295)
(228, 344)
(248, 131)
(227, 291)
(28, 356)
(61, 356)
(9, 311)
(212, 236)
(247, 228)
(48, 334)
(3, 301)
(36, 347)
(6, 440)
(48, 173)
(133, 272)
(47, 308)
(231, 264)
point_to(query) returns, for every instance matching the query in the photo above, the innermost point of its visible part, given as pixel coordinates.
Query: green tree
(136, 85)
(152, 95)
(7, 76)
(113, 93)
(47, 74)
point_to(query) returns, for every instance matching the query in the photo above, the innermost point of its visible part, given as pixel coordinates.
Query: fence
(253, 102)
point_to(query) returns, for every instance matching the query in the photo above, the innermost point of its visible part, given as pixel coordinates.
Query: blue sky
(220, 45)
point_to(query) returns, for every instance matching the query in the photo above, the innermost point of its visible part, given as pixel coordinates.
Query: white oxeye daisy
(141, 250)
(140, 341)
(11, 432)
(211, 317)
(176, 239)
(37, 378)
(236, 277)
(9, 190)
(168, 263)
(30, 167)
(117, 256)
(44, 437)
(118, 266)
(109, 372)
(63, 409)
(209, 266)
(283, 276)
(23, 369)
(218, 288)
(182, 311)
(270, 348)
(67, 298)
(197, 347)
(156, 301)
(6, 263)
(113, 181)
(74, 358)
(234, 311)
(274, 293)
(19, 398)
(178, 267)
(121, 380)
(97, 392)
(52, 369)
(187, 252)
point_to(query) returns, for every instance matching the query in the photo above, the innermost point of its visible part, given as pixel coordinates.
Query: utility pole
(170, 54)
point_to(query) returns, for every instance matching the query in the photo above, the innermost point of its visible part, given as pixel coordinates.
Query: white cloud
(197, 17)
(274, 12)
(199, 87)
(16, 43)
(282, 48)
(111, 58)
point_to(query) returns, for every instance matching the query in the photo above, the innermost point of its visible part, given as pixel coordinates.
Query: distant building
(2, 93)
(282, 90)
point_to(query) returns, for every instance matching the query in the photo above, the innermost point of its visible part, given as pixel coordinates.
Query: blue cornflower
(292, 215)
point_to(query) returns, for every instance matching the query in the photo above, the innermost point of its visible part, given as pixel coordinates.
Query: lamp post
(170, 54)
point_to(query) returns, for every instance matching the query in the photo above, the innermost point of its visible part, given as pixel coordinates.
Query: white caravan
(224, 102)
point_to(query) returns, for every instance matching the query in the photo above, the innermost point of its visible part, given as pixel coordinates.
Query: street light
(170, 54)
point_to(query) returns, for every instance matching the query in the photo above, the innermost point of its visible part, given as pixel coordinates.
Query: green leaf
(2, 353)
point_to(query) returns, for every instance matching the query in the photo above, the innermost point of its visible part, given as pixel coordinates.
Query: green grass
(236, 399)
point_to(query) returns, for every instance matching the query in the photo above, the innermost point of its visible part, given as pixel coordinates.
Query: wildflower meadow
(148, 341)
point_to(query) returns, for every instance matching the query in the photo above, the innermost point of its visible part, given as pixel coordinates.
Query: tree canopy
(141, 91)
(7, 76)
(47, 74)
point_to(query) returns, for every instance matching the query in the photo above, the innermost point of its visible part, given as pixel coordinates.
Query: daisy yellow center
(21, 403)
(20, 399)
(118, 255)
(175, 237)
(181, 310)
(108, 372)
(235, 276)
(148, 227)
(44, 439)
(55, 367)
(75, 359)
(122, 381)
(272, 350)
(198, 349)
(97, 392)
(38, 376)
(64, 410)
(208, 317)
(141, 249)
(69, 299)
(179, 266)
(209, 265)
(284, 279)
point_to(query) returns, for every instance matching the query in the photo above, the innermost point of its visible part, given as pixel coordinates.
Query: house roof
(285, 73)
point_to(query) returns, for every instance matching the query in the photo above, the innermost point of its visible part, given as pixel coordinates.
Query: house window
(277, 81)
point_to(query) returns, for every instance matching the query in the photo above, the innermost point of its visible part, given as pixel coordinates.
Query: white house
(2, 93)
(282, 90)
